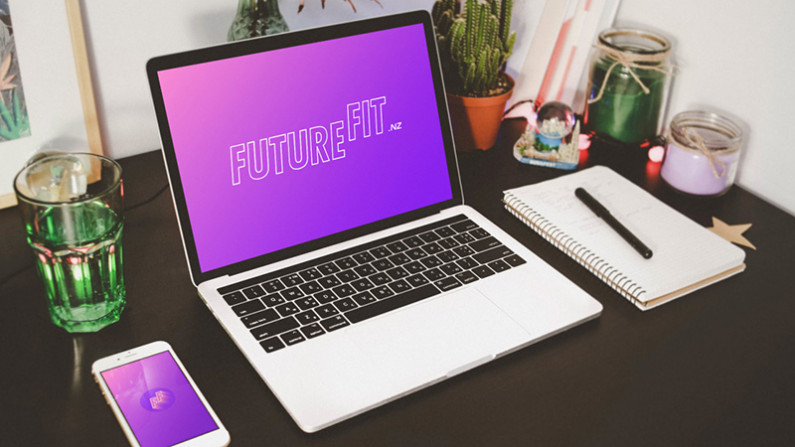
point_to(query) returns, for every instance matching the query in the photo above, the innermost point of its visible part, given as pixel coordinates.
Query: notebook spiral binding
(585, 257)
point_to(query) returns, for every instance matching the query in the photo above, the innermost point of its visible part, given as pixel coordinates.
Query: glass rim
(665, 44)
(116, 183)
(715, 122)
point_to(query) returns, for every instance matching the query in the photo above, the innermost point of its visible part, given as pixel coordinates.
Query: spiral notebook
(686, 257)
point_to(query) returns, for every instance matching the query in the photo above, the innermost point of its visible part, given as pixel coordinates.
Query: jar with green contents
(628, 85)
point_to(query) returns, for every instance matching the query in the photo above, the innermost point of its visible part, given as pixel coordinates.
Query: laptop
(318, 196)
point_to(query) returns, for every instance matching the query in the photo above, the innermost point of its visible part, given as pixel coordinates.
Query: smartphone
(156, 401)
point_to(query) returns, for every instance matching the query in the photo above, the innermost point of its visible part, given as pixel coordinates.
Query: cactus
(474, 44)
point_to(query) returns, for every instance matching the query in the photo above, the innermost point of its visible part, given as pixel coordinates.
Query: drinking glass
(72, 206)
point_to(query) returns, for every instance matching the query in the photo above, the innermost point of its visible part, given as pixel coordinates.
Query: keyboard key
(329, 281)
(310, 274)
(363, 257)
(273, 285)
(413, 242)
(482, 271)
(306, 303)
(307, 317)
(379, 278)
(234, 298)
(450, 269)
(272, 344)
(380, 252)
(397, 301)
(445, 231)
(399, 286)
(416, 253)
(414, 267)
(429, 236)
(253, 292)
(334, 323)
(466, 277)
(463, 226)
(364, 270)
(432, 248)
(464, 238)
(479, 233)
(489, 255)
(266, 316)
(326, 311)
(310, 287)
(514, 260)
(447, 256)
(448, 243)
(463, 251)
(312, 330)
(431, 261)
(417, 280)
(293, 337)
(382, 264)
(344, 290)
(325, 296)
(292, 280)
(287, 309)
(347, 276)
(382, 292)
(399, 259)
(434, 274)
(328, 268)
(364, 298)
(467, 263)
(362, 284)
(499, 265)
(346, 263)
(275, 328)
(345, 304)
(447, 284)
(248, 308)
(397, 273)
(485, 244)
(273, 300)
(397, 247)
(292, 293)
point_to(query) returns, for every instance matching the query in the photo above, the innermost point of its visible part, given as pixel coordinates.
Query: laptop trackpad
(438, 337)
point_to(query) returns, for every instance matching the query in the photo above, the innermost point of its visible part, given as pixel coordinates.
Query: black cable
(129, 208)
(517, 105)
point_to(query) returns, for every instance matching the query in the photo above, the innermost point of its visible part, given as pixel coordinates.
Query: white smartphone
(156, 401)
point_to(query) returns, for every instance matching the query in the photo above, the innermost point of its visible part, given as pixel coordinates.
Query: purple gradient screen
(158, 402)
(279, 148)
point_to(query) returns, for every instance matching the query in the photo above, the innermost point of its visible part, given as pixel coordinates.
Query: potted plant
(474, 44)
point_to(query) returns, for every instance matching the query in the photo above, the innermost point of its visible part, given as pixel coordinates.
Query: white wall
(735, 58)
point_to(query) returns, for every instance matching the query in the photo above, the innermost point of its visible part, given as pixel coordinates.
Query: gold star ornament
(732, 233)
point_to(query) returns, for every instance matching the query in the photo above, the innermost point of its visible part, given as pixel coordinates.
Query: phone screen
(158, 402)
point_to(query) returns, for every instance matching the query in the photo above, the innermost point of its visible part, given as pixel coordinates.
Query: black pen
(605, 215)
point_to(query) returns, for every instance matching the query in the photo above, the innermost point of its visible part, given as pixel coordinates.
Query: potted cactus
(474, 45)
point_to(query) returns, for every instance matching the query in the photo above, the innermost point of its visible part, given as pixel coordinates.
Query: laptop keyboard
(292, 305)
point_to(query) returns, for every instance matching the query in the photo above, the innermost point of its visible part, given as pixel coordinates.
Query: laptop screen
(279, 148)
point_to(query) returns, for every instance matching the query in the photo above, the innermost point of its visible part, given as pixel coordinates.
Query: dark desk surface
(714, 368)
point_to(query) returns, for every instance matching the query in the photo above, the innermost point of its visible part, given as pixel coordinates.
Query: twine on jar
(630, 61)
(695, 140)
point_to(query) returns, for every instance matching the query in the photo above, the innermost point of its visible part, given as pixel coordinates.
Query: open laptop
(318, 196)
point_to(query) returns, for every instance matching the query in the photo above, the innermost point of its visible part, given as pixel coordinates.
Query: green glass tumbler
(72, 206)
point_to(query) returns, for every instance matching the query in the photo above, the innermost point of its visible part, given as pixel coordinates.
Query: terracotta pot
(476, 121)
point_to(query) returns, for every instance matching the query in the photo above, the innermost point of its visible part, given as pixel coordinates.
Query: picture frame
(51, 90)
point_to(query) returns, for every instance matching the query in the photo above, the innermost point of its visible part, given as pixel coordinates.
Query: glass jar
(702, 153)
(628, 85)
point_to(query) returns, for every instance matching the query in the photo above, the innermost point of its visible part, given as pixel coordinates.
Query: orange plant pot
(476, 121)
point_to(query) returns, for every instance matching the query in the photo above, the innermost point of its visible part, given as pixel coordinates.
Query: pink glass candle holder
(702, 154)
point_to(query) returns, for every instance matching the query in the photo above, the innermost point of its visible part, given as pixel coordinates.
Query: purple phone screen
(282, 147)
(158, 402)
